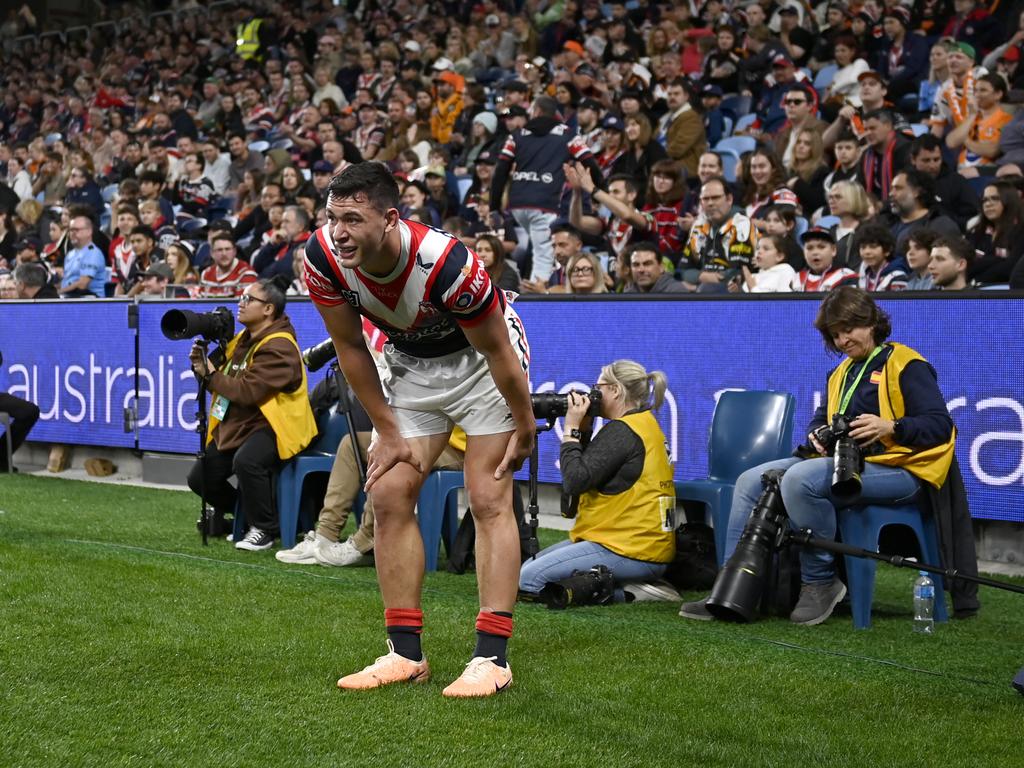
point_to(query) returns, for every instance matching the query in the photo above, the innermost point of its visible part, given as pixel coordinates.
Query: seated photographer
(259, 413)
(624, 482)
(897, 416)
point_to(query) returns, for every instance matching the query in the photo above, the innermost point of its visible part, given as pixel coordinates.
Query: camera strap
(846, 395)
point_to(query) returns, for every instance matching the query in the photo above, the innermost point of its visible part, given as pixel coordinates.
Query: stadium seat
(741, 145)
(979, 183)
(828, 222)
(318, 457)
(919, 129)
(465, 182)
(824, 78)
(800, 227)
(860, 527)
(747, 429)
(737, 105)
(744, 122)
(730, 162)
(437, 511)
(109, 192)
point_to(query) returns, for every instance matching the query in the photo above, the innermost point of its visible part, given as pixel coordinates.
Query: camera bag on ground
(782, 586)
(462, 557)
(694, 566)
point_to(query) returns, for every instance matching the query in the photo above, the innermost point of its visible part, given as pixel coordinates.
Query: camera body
(847, 455)
(217, 326)
(552, 405)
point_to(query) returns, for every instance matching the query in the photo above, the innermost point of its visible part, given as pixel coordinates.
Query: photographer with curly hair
(624, 482)
(890, 395)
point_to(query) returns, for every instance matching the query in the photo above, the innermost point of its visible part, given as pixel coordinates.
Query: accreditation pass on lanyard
(219, 408)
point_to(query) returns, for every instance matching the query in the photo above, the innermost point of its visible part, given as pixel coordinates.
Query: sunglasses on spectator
(794, 102)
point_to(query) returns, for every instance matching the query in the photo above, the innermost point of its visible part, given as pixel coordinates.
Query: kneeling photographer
(883, 431)
(259, 412)
(626, 496)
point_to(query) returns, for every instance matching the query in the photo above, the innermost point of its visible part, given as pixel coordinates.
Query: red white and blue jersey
(437, 286)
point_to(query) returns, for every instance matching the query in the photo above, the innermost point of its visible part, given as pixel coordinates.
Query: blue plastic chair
(828, 221)
(919, 129)
(824, 78)
(318, 457)
(748, 428)
(860, 527)
(730, 162)
(741, 145)
(437, 511)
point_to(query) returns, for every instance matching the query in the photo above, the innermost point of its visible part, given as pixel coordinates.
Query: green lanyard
(846, 395)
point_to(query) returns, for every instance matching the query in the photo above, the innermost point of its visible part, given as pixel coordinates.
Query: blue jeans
(537, 224)
(807, 494)
(558, 561)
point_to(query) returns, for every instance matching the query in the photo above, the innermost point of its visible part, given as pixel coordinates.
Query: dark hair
(1013, 213)
(925, 238)
(152, 176)
(849, 41)
(144, 230)
(646, 246)
(996, 81)
(958, 247)
(564, 226)
(775, 181)
(926, 142)
(498, 268)
(275, 288)
(876, 234)
(923, 186)
(849, 136)
(850, 307)
(882, 115)
(785, 212)
(721, 180)
(668, 167)
(627, 178)
(369, 180)
(224, 236)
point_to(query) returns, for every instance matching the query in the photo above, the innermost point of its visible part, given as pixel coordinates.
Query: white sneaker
(340, 553)
(660, 591)
(301, 553)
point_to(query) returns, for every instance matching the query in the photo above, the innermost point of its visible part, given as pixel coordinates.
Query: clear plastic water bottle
(924, 604)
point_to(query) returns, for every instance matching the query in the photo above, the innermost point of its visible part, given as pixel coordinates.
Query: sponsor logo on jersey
(350, 296)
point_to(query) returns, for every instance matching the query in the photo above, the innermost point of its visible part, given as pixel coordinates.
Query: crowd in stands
(581, 147)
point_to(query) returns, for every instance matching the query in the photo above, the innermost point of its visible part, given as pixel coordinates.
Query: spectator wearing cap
(951, 103)
(798, 41)
(496, 49)
(905, 62)
(447, 105)
(681, 130)
(973, 25)
(613, 144)
(85, 267)
(770, 108)
(1007, 63)
(322, 173)
(722, 65)
(717, 124)
(155, 280)
(180, 255)
(588, 123)
(762, 47)
(837, 24)
(534, 158)
(977, 137)
(32, 281)
(585, 78)
(821, 274)
(872, 92)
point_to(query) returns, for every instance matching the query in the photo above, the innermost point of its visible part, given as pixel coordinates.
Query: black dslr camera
(217, 326)
(551, 405)
(847, 456)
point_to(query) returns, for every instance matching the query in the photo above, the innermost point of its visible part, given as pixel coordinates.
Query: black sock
(488, 640)
(404, 627)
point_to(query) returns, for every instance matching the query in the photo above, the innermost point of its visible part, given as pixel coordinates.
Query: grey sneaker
(817, 601)
(340, 553)
(643, 591)
(697, 610)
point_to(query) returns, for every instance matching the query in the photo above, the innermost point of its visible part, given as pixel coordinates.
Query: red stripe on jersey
(321, 236)
(390, 292)
(477, 319)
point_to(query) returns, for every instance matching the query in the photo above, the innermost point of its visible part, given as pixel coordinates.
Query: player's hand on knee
(520, 446)
(384, 453)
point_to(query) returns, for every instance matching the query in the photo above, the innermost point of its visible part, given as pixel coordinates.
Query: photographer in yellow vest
(626, 493)
(889, 396)
(259, 413)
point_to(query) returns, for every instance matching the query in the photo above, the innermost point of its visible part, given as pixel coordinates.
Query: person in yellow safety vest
(626, 491)
(259, 413)
(898, 417)
(247, 39)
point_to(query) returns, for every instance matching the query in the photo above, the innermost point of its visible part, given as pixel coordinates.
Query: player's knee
(393, 499)
(490, 504)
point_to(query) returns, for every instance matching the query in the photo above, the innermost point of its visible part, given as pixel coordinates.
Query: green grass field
(125, 642)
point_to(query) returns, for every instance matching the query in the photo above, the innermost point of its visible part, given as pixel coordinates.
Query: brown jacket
(276, 367)
(685, 140)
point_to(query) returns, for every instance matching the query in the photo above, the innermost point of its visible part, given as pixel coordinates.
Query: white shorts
(429, 395)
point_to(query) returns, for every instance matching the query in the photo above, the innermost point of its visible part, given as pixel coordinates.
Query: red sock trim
(410, 618)
(493, 624)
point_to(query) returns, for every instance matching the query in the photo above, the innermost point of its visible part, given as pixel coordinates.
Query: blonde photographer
(624, 482)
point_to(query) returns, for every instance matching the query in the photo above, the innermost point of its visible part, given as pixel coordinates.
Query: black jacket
(956, 538)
